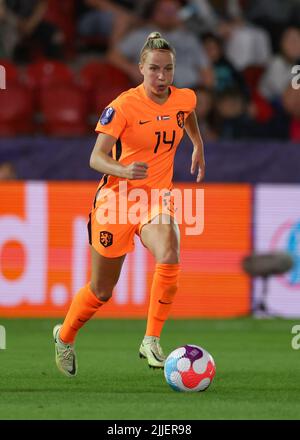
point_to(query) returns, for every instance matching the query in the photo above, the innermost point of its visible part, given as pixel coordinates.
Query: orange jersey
(146, 132)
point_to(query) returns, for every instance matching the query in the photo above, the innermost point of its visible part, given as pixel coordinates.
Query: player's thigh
(105, 271)
(162, 237)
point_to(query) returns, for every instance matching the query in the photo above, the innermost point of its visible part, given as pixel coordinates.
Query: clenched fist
(136, 170)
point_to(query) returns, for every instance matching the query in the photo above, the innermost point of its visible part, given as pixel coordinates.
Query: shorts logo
(180, 119)
(107, 115)
(106, 238)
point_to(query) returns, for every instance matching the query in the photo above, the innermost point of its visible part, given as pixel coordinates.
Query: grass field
(258, 372)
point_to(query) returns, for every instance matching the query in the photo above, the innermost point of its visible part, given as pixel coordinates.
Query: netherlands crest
(180, 119)
(106, 238)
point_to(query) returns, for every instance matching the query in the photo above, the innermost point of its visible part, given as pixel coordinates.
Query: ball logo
(194, 353)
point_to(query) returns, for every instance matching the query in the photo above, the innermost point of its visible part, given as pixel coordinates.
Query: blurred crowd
(237, 55)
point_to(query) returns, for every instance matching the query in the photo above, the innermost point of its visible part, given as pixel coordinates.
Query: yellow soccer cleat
(65, 355)
(151, 350)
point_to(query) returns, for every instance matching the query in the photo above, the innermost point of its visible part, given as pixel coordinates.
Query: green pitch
(258, 372)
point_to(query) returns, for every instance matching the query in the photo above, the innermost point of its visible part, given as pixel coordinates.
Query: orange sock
(84, 305)
(164, 287)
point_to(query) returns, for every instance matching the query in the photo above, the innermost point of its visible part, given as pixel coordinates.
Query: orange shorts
(111, 232)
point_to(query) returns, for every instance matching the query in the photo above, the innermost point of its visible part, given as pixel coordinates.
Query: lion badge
(106, 238)
(180, 119)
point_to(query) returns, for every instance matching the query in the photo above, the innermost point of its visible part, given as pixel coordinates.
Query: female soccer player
(142, 128)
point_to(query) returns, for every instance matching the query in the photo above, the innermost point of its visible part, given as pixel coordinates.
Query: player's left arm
(192, 128)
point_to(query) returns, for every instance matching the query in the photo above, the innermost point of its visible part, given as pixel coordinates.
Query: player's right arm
(103, 163)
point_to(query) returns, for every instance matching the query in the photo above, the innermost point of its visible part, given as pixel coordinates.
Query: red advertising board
(44, 254)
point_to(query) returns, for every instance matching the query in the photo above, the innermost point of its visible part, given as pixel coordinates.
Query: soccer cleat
(65, 355)
(151, 350)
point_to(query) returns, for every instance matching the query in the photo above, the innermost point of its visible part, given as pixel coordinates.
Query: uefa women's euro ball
(189, 368)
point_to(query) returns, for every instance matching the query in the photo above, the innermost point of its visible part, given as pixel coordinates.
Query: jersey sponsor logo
(143, 122)
(163, 118)
(106, 238)
(180, 119)
(107, 115)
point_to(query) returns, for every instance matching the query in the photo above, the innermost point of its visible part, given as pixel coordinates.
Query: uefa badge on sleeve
(107, 115)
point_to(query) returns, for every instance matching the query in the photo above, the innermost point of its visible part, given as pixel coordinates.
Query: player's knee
(169, 255)
(102, 292)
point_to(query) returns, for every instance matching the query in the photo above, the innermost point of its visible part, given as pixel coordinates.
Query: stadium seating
(62, 14)
(16, 111)
(263, 109)
(252, 75)
(102, 82)
(46, 73)
(12, 73)
(64, 110)
(96, 72)
(103, 96)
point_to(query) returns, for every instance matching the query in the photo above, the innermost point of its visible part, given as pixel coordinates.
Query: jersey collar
(154, 104)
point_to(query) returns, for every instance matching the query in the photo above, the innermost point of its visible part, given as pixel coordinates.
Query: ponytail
(155, 42)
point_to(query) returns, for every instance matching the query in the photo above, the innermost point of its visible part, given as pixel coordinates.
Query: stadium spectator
(204, 112)
(7, 171)
(291, 104)
(205, 15)
(105, 19)
(278, 75)
(192, 65)
(245, 44)
(232, 120)
(35, 33)
(8, 31)
(226, 76)
(199, 16)
(273, 15)
(228, 8)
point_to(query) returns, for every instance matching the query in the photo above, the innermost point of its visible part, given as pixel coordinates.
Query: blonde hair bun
(153, 36)
(155, 42)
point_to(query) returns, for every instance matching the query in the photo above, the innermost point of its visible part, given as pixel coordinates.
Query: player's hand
(136, 171)
(198, 164)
